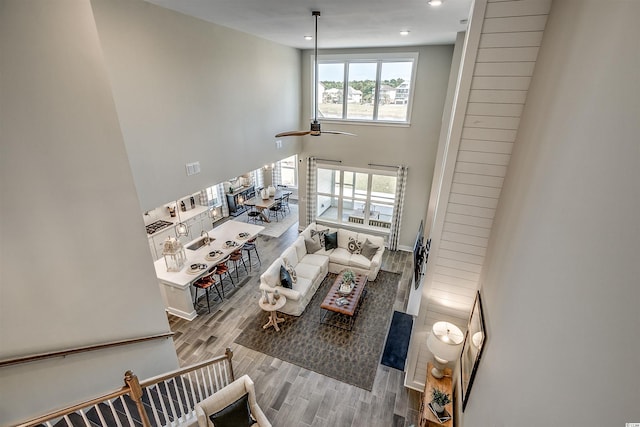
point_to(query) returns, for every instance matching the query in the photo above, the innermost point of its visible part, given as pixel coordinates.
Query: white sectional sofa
(311, 268)
(341, 258)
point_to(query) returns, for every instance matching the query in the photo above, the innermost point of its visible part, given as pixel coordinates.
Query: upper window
(372, 88)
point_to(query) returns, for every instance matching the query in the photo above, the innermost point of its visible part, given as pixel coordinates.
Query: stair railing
(164, 400)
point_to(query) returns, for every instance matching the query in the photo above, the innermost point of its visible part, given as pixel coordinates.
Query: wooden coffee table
(349, 310)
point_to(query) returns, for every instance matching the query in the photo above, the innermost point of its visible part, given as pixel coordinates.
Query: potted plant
(348, 276)
(439, 399)
(347, 283)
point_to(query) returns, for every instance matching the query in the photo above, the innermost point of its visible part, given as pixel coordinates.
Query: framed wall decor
(472, 349)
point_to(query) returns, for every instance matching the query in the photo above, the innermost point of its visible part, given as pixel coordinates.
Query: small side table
(427, 418)
(272, 310)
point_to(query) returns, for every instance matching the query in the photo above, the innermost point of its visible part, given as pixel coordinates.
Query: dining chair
(254, 215)
(275, 209)
(285, 203)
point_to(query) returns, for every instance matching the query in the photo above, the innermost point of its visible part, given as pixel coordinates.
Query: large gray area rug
(275, 228)
(348, 356)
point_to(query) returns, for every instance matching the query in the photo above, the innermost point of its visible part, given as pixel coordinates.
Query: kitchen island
(175, 287)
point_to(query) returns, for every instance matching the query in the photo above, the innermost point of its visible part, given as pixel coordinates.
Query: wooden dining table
(262, 204)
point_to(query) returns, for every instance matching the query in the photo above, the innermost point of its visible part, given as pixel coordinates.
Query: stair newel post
(135, 392)
(229, 355)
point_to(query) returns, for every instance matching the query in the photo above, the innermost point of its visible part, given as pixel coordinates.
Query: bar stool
(236, 257)
(249, 246)
(222, 269)
(206, 282)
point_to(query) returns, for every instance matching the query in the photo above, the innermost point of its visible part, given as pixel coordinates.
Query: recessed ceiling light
(404, 32)
(435, 2)
(308, 37)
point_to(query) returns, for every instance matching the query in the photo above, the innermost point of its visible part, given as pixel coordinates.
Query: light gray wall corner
(188, 90)
(75, 267)
(560, 284)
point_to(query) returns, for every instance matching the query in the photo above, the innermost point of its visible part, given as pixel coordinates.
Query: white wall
(414, 146)
(75, 267)
(561, 285)
(188, 90)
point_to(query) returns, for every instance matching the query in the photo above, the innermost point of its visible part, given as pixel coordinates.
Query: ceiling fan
(315, 124)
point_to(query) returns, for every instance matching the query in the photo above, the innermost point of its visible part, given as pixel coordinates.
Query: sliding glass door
(358, 197)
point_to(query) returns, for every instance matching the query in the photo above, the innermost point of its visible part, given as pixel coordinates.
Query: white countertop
(226, 231)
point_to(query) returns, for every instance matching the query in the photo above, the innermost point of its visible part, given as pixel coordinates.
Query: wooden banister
(134, 389)
(93, 347)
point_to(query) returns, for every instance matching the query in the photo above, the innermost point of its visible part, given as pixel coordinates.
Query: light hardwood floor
(288, 394)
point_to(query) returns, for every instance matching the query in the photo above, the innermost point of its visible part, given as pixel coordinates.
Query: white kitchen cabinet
(195, 226)
(200, 223)
(152, 248)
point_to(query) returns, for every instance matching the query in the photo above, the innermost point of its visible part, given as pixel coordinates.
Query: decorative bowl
(345, 290)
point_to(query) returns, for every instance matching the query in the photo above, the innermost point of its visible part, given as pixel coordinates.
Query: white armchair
(226, 396)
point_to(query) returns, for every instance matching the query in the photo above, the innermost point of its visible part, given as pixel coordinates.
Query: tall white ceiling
(342, 24)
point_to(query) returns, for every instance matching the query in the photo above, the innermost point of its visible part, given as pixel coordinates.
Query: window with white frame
(212, 195)
(257, 177)
(371, 87)
(289, 171)
(361, 197)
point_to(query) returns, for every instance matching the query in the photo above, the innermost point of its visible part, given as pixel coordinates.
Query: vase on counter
(264, 193)
(272, 191)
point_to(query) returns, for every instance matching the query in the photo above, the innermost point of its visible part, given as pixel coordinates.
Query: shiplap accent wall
(504, 63)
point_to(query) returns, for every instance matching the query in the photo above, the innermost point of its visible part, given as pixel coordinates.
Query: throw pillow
(285, 278)
(313, 245)
(292, 273)
(369, 249)
(320, 234)
(237, 414)
(331, 241)
(354, 246)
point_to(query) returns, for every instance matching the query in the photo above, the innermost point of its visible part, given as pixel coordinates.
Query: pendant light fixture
(181, 228)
